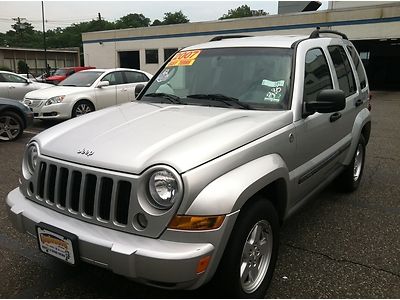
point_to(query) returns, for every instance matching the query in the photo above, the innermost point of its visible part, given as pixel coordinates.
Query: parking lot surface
(338, 246)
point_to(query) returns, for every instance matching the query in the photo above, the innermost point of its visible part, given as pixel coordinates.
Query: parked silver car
(190, 183)
(85, 92)
(15, 86)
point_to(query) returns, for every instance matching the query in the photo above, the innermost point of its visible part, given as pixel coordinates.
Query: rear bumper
(158, 262)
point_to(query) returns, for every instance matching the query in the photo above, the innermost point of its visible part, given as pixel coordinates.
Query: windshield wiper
(230, 101)
(68, 85)
(171, 98)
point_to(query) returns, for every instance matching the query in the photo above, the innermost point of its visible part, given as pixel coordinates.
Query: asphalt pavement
(338, 246)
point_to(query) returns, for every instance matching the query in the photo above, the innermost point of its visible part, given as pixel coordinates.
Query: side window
(344, 73)
(114, 78)
(358, 65)
(317, 76)
(13, 78)
(133, 77)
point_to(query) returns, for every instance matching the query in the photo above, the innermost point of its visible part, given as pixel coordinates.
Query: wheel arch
(16, 111)
(266, 176)
(362, 125)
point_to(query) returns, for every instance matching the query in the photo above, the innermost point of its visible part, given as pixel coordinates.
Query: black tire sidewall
(18, 119)
(227, 278)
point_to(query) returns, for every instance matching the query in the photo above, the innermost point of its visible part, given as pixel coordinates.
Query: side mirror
(327, 101)
(103, 84)
(138, 89)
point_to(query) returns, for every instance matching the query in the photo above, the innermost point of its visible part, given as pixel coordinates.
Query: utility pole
(44, 42)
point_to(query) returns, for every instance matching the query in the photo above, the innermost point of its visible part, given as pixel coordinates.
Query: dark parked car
(14, 118)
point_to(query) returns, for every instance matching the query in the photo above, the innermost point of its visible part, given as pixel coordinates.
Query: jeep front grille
(91, 194)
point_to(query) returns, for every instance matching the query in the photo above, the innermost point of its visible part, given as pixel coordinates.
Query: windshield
(250, 78)
(81, 79)
(60, 72)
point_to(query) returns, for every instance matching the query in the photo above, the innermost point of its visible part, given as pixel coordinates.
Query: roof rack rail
(224, 37)
(316, 32)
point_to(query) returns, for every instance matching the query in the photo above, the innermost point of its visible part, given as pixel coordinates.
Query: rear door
(345, 81)
(318, 137)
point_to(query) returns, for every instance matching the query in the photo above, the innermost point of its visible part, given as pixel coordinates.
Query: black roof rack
(224, 37)
(316, 32)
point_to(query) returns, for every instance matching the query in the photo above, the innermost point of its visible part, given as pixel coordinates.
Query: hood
(54, 90)
(134, 136)
(41, 85)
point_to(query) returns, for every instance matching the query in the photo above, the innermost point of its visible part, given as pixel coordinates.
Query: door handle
(336, 116)
(11, 87)
(358, 102)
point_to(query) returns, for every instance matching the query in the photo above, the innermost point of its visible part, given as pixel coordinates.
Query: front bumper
(159, 262)
(54, 111)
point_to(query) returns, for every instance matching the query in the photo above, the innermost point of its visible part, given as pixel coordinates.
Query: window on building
(317, 76)
(344, 73)
(168, 52)
(151, 56)
(114, 78)
(133, 77)
(359, 67)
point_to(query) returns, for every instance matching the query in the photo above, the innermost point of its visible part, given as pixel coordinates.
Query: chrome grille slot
(105, 198)
(122, 205)
(75, 190)
(41, 180)
(89, 194)
(50, 183)
(62, 181)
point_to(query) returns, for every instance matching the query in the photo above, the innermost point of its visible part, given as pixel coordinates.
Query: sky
(64, 13)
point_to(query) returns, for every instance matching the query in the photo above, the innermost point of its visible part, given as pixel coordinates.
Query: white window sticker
(273, 83)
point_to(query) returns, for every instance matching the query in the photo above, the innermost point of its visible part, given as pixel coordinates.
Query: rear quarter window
(343, 69)
(359, 68)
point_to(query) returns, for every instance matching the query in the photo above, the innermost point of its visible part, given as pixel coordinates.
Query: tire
(350, 179)
(81, 108)
(255, 239)
(11, 126)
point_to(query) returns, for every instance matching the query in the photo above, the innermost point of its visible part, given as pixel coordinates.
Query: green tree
(132, 21)
(243, 12)
(23, 67)
(175, 18)
(156, 22)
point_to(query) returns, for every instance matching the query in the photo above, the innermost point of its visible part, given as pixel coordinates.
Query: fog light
(141, 221)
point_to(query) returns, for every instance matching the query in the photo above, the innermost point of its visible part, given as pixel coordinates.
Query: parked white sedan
(86, 91)
(15, 86)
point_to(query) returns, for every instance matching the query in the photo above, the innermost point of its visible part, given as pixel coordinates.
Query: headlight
(31, 158)
(163, 188)
(54, 100)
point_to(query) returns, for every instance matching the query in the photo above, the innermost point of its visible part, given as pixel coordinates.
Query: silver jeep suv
(190, 183)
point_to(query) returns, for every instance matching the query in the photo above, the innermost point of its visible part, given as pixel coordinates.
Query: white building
(373, 26)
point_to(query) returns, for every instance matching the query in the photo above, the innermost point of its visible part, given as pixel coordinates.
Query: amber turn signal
(203, 264)
(196, 222)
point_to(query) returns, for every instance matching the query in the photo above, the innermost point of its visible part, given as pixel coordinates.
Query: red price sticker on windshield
(185, 58)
